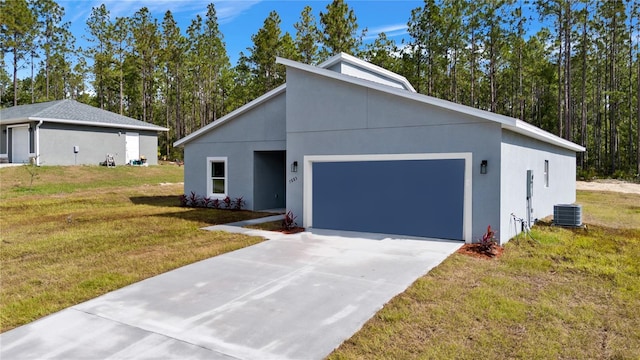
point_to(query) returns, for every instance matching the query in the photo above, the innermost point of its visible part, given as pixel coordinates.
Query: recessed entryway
(269, 187)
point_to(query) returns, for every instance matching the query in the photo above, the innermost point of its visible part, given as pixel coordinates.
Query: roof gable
(506, 122)
(232, 115)
(350, 65)
(72, 112)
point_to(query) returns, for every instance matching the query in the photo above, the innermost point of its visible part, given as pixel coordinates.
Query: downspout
(37, 140)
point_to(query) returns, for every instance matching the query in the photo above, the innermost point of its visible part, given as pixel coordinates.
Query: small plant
(215, 203)
(206, 201)
(183, 200)
(289, 221)
(227, 202)
(238, 203)
(488, 241)
(33, 170)
(194, 199)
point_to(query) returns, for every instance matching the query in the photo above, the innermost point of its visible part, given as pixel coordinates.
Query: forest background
(578, 76)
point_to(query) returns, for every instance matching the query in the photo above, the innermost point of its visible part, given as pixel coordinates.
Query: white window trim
(309, 160)
(210, 193)
(546, 173)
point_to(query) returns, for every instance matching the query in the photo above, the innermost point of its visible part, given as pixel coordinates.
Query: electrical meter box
(529, 184)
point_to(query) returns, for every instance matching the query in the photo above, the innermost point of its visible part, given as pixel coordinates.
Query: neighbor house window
(217, 183)
(546, 173)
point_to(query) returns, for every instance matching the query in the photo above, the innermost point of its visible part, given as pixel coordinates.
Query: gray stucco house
(66, 132)
(347, 145)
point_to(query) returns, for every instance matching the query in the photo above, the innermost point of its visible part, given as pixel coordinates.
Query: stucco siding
(519, 154)
(57, 143)
(260, 129)
(149, 146)
(330, 117)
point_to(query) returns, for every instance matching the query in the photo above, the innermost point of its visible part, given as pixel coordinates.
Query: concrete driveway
(292, 297)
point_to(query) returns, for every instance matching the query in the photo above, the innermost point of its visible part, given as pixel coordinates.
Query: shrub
(488, 241)
(289, 221)
(238, 203)
(193, 200)
(183, 200)
(216, 203)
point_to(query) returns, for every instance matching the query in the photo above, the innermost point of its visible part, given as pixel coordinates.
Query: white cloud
(390, 30)
(226, 10)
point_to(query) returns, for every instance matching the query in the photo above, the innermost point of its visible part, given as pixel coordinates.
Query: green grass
(16, 181)
(568, 294)
(268, 226)
(84, 231)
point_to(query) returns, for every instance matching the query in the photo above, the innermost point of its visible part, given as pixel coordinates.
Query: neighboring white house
(66, 132)
(350, 146)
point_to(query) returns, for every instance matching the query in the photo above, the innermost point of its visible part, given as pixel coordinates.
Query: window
(546, 173)
(217, 176)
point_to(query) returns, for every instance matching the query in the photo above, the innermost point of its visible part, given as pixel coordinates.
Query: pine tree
(17, 31)
(307, 37)
(101, 52)
(146, 50)
(339, 28)
(262, 59)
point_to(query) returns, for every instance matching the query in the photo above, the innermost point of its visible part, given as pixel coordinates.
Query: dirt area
(609, 185)
(474, 250)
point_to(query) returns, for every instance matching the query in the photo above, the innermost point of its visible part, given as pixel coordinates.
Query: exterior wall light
(483, 167)
(294, 166)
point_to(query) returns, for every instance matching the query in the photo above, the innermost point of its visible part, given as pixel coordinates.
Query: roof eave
(99, 124)
(524, 128)
(506, 122)
(230, 116)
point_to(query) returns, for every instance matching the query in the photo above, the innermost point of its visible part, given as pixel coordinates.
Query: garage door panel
(408, 197)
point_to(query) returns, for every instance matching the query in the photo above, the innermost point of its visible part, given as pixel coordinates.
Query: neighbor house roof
(72, 112)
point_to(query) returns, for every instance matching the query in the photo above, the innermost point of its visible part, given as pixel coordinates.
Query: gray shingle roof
(72, 112)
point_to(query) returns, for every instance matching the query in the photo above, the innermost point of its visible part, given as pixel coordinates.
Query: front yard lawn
(80, 232)
(568, 294)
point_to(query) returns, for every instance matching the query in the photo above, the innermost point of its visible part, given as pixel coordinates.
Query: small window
(217, 176)
(546, 173)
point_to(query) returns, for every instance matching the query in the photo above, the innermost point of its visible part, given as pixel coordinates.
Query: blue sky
(239, 19)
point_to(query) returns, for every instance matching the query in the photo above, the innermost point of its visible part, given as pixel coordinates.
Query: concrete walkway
(293, 297)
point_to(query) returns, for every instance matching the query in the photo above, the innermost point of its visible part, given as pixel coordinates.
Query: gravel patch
(609, 185)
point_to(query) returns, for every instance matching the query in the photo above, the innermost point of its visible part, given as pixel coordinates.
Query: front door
(20, 144)
(132, 144)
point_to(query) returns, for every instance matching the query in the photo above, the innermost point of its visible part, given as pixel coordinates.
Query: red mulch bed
(294, 230)
(473, 250)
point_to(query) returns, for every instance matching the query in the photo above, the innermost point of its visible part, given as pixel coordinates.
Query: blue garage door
(406, 197)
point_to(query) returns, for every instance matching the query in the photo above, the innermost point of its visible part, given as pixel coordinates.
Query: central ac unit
(567, 215)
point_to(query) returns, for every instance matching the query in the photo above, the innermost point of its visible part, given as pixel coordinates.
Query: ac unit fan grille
(567, 215)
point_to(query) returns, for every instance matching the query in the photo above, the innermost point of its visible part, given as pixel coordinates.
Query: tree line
(571, 67)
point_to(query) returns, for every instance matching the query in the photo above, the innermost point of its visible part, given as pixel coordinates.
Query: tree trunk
(638, 112)
(567, 73)
(15, 71)
(560, 84)
(583, 97)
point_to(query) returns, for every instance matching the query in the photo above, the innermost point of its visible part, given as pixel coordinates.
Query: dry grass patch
(569, 294)
(60, 249)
